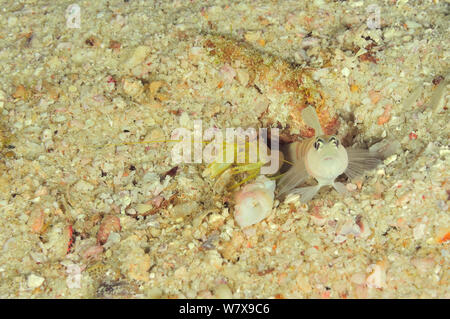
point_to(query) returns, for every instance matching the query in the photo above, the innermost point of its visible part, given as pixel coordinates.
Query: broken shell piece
(364, 226)
(228, 73)
(254, 202)
(157, 201)
(358, 228)
(36, 221)
(349, 227)
(34, 281)
(137, 57)
(109, 224)
(93, 252)
(317, 219)
(351, 187)
(185, 209)
(133, 88)
(377, 278)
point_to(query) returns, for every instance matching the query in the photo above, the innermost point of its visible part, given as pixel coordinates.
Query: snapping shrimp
(324, 158)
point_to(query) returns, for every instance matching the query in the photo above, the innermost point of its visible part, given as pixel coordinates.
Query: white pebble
(223, 292)
(345, 72)
(34, 281)
(47, 135)
(138, 56)
(185, 209)
(83, 186)
(390, 159)
(351, 187)
(419, 231)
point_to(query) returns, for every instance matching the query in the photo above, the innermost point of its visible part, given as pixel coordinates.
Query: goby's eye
(318, 143)
(334, 140)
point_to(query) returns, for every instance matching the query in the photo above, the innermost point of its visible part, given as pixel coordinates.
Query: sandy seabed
(89, 209)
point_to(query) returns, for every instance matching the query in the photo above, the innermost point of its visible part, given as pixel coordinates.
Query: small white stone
(34, 281)
(138, 56)
(419, 231)
(215, 219)
(223, 292)
(243, 76)
(357, 4)
(154, 292)
(345, 72)
(339, 239)
(143, 208)
(83, 186)
(390, 159)
(47, 135)
(292, 198)
(185, 209)
(444, 152)
(185, 120)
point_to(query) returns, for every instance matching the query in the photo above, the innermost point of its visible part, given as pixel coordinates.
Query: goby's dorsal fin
(310, 118)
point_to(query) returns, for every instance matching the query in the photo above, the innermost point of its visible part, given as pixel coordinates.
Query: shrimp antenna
(309, 116)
